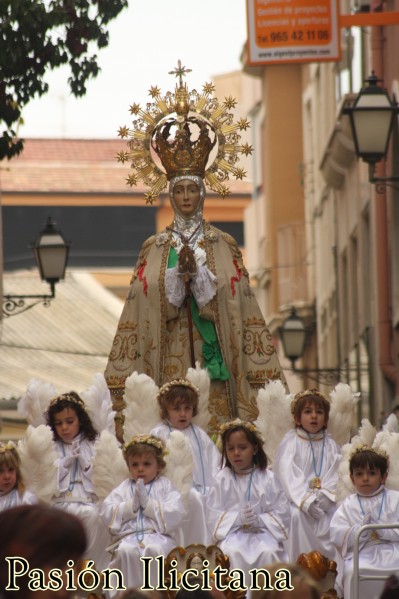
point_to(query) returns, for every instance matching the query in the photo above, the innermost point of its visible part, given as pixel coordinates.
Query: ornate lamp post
(51, 254)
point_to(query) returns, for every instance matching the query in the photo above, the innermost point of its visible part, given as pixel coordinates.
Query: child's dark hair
(72, 401)
(137, 448)
(252, 435)
(369, 458)
(311, 397)
(174, 394)
(10, 459)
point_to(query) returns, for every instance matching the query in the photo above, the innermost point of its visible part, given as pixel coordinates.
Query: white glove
(323, 502)
(142, 493)
(367, 519)
(69, 459)
(135, 500)
(315, 510)
(247, 517)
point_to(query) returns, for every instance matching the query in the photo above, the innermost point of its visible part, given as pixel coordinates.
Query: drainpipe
(381, 242)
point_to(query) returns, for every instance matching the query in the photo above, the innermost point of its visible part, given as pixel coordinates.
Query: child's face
(180, 415)
(240, 451)
(66, 424)
(312, 418)
(143, 466)
(368, 479)
(8, 478)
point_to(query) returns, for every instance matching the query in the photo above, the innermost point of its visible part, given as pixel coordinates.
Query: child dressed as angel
(178, 403)
(249, 513)
(59, 453)
(74, 436)
(143, 512)
(372, 503)
(306, 465)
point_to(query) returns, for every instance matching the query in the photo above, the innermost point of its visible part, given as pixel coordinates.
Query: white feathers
(97, 399)
(38, 455)
(275, 418)
(342, 413)
(365, 435)
(392, 424)
(109, 466)
(35, 402)
(344, 483)
(179, 463)
(142, 410)
(389, 442)
(200, 378)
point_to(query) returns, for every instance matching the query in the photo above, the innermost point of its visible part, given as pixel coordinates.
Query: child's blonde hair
(176, 393)
(9, 457)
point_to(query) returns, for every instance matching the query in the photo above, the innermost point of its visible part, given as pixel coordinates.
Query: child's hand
(367, 519)
(315, 510)
(135, 500)
(247, 517)
(142, 493)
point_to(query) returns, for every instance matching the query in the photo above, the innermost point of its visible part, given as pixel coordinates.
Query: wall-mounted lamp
(293, 334)
(372, 119)
(51, 254)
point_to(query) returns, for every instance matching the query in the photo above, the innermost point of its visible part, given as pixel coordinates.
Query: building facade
(328, 242)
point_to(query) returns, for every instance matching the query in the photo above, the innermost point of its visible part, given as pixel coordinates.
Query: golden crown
(68, 397)
(306, 393)
(376, 450)
(9, 446)
(182, 128)
(146, 440)
(238, 422)
(176, 383)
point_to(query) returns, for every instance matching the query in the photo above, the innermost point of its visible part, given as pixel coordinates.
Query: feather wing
(35, 401)
(366, 434)
(109, 466)
(98, 403)
(142, 410)
(342, 413)
(275, 418)
(38, 456)
(390, 443)
(344, 483)
(200, 378)
(179, 463)
(392, 424)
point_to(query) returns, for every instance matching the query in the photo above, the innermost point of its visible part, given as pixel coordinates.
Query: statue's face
(186, 195)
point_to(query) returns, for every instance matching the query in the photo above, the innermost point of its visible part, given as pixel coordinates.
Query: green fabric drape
(211, 349)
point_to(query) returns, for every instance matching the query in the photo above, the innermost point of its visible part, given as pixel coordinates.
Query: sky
(146, 41)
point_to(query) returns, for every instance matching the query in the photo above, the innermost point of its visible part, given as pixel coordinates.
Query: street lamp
(372, 119)
(51, 254)
(293, 335)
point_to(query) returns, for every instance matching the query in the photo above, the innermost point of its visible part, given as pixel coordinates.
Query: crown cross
(180, 72)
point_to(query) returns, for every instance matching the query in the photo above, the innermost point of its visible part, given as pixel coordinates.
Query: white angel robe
(76, 496)
(376, 556)
(295, 468)
(13, 499)
(206, 458)
(249, 548)
(146, 533)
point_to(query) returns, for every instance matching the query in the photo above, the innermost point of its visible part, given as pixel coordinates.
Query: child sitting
(249, 512)
(306, 465)
(74, 437)
(12, 489)
(178, 402)
(371, 504)
(143, 511)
